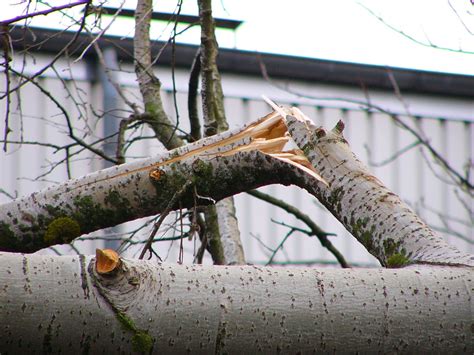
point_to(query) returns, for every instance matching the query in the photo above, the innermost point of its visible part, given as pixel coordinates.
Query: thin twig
(68, 121)
(280, 246)
(181, 248)
(173, 70)
(56, 57)
(315, 229)
(163, 215)
(410, 37)
(10, 196)
(44, 12)
(100, 34)
(6, 44)
(393, 157)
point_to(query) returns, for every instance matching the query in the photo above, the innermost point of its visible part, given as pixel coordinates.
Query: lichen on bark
(62, 230)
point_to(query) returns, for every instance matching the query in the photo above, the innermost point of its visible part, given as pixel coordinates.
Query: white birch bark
(377, 217)
(229, 232)
(125, 192)
(232, 162)
(60, 304)
(148, 83)
(53, 304)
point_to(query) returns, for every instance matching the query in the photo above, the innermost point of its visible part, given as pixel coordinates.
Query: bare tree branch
(221, 220)
(149, 84)
(192, 97)
(315, 230)
(163, 215)
(44, 12)
(212, 96)
(458, 178)
(410, 37)
(56, 57)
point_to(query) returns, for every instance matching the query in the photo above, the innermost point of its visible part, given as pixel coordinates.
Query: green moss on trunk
(142, 342)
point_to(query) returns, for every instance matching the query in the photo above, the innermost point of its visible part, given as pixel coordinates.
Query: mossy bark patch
(397, 260)
(62, 224)
(62, 229)
(8, 242)
(142, 342)
(395, 255)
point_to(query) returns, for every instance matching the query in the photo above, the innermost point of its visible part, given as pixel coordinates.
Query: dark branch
(44, 12)
(192, 97)
(315, 229)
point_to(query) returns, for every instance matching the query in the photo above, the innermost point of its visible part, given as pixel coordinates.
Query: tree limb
(221, 221)
(226, 164)
(212, 97)
(44, 12)
(149, 84)
(192, 97)
(148, 307)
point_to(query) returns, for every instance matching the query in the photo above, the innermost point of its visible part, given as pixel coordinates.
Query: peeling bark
(162, 308)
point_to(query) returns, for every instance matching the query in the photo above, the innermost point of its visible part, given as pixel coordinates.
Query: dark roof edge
(249, 63)
(165, 16)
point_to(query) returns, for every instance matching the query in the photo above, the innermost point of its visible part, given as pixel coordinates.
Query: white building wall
(374, 137)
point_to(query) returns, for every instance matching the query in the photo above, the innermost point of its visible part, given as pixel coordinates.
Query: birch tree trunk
(52, 304)
(61, 304)
(221, 223)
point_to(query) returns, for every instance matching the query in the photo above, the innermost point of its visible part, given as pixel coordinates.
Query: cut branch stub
(106, 261)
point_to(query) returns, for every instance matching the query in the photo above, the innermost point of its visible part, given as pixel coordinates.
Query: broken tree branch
(226, 164)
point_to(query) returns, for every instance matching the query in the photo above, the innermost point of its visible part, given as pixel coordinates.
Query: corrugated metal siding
(373, 137)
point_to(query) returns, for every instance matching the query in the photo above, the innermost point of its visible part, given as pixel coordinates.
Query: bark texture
(377, 217)
(60, 304)
(221, 221)
(121, 193)
(212, 94)
(148, 83)
(226, 164)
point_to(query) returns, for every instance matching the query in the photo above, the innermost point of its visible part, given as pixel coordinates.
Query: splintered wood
(268, 135)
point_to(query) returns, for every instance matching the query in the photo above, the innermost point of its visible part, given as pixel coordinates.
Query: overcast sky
(344, 30)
